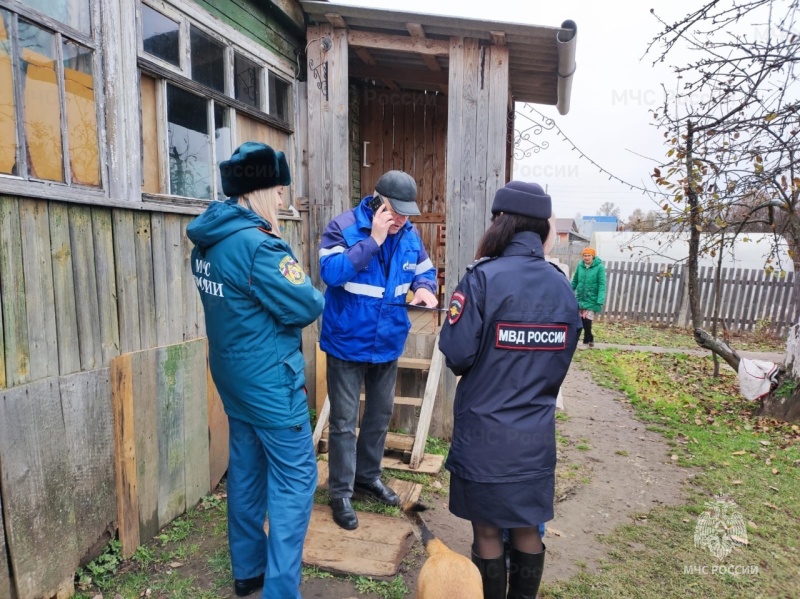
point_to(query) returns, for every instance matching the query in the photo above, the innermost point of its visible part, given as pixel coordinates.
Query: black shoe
(248, 585)
(343, 513)
(378, 491)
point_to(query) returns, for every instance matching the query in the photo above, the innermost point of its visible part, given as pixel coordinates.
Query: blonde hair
(264, 202)
(552, 236)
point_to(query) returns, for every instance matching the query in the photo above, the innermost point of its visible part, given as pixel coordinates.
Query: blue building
(595, 224)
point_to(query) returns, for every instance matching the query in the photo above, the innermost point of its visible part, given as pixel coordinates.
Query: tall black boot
(525, 574)
(493, 574)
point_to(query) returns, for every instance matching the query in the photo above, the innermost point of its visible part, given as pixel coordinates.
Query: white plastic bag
(756, 377)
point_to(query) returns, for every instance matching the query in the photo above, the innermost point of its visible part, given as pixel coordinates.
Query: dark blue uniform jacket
(511, 330)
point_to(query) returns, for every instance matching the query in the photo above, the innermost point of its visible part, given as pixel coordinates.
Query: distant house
(596, 224)
(567, 230)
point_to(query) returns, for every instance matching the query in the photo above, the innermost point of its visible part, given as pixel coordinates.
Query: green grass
(753, 462)
(631, 333)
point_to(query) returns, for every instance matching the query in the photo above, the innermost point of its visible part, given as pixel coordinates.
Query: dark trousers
(351, 460)
(587, 331)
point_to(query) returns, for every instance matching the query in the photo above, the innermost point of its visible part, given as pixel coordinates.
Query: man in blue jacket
(370, 257)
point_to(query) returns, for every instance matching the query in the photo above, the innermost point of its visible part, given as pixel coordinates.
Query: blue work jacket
(257, 300)
(362, 321)
(511, 330)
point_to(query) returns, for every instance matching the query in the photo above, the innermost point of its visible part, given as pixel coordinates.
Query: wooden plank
(400, 401)
(89, 433)
(407, 491)
(322, 474)
(15, 328)
(218, 433)
(375, 548)
(196, 422)
(191, 298)
(127, 281)
(337, 113)
(175, 267)
(785, 315)
(63, 290)
(171, 385)
(471, 201)
(143, 250)
(144, 417)
(321, 379)
(430, 464)
(322, 422)
(428, 401)
(416, 363)
(398, 43)
(106, 283)
(38, 490)
(6, 583)
(399, 441)
(161, 298)
(498, 79)
(481, 210)
(87, 306)
(122, 381)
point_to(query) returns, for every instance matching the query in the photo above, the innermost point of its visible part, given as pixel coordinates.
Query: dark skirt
(504, 505)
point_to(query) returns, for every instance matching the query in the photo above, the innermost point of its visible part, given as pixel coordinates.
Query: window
(48, 105)
(196, 111)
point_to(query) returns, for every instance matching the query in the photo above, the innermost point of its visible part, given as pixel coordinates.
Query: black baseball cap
(400, 189)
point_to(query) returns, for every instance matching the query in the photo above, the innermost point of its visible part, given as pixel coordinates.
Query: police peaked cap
(253, 166)
(401, 190)
(525, 199)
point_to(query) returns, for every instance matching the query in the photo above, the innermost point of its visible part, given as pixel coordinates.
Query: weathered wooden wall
(79, 286)
(644, 292)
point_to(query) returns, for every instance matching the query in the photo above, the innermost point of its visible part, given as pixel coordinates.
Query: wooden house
(113, 117)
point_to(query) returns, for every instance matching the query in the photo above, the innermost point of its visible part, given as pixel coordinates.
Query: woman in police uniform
(511, 331)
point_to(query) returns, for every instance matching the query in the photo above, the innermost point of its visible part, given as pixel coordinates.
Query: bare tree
(609, 209)
(732, 134)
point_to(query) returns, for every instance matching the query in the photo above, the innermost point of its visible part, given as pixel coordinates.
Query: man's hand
(380, 224)
(424, 297)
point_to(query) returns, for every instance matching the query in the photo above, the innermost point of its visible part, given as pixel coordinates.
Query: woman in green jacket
(589, 284)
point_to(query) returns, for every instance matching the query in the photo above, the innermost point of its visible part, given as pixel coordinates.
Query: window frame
(166, 73)
(25, 183)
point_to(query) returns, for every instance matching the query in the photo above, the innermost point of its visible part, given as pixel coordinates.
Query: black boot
(248, 586)
(525, 574)
(493, 574)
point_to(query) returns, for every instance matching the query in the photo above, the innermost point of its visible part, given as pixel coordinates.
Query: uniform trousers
(272, 473)
(351, 460)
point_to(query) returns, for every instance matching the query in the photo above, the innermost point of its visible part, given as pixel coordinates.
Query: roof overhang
(414, 49)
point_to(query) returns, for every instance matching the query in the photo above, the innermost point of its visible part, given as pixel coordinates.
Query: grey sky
(612, 94)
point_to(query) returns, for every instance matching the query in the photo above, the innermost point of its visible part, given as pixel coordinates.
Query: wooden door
(407, 131)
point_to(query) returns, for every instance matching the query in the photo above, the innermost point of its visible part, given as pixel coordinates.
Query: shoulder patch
(292, 271)
(456, 308)
(478, 262)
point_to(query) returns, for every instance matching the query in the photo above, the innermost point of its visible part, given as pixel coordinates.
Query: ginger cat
(445, 574)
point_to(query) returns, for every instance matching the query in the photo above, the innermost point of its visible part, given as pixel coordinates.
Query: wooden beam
(365, 56)
(399, 43)
(336, 20)
(416, 30)
(498, 38)
(375, 71)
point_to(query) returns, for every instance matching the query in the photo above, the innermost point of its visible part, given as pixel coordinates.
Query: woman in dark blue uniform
(511, 331)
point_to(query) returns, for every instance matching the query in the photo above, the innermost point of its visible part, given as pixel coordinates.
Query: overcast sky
(613, 90)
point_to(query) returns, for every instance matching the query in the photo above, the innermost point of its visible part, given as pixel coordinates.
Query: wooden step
(394, 441)
(403, 401)
(414, 363)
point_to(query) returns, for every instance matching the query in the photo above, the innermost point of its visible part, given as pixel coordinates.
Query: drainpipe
(565, 44)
